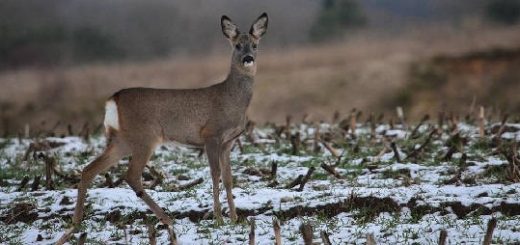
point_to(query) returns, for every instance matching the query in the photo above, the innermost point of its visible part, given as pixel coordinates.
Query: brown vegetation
(363, 72)
(490, 77)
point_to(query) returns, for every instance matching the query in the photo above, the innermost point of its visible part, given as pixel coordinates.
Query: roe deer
(138, 119)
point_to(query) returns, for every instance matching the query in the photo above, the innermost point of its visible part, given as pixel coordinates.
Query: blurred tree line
(64, 32)
(57, 32)
(47, 45)
(335, 17)
(504, 11)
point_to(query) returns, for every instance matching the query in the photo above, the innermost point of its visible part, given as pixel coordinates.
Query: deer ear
(229, 29)
(259, 27)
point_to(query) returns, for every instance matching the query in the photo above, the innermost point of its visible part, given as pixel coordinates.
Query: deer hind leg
(227, 178)
(213, 152)
(112, 154)
(134, 179)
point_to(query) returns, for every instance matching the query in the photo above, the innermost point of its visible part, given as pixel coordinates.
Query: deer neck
(239, 83)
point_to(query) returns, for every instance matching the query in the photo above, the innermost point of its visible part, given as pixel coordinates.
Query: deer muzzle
(248, 60)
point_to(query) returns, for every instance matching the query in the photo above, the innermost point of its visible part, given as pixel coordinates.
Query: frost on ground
(403, 186)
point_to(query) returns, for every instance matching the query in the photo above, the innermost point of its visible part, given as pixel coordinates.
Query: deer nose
(248, 60)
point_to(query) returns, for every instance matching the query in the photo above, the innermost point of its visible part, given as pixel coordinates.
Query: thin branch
(277, 234)
(489, 232)
(306, 178)
(306, 230)
(252, 231)
(331, 170)
(442, 237)
(325, 238)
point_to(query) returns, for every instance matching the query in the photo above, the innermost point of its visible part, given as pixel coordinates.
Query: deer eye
(238, 46)
(254, 45)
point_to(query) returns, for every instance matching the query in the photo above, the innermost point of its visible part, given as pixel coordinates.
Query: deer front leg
(227, 178)
(213, 152)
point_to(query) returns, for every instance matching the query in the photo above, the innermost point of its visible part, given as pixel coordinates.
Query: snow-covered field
(404, 199)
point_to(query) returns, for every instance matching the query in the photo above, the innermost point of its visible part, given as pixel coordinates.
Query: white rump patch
(111, 116)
